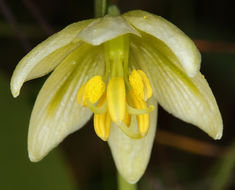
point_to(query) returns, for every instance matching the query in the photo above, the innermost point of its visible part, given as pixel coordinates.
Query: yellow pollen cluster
(140, 85)
(137, 85)
(91, 91)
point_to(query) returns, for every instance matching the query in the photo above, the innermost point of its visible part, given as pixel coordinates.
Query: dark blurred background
(183, 157)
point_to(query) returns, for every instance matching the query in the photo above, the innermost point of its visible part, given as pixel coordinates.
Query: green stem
(124, 185)
(100, 8)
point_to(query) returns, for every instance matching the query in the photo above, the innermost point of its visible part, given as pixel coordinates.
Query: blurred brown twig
(188, 144)
(215, 47)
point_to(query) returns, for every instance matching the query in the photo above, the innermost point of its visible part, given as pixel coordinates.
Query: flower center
(124, 97)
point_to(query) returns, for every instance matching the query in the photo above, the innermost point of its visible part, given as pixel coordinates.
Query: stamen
(147, 87)
(140, 85)
(102, 121)
(134, 111)
(143, 124)
(91, 91)
(102, 124)
(137, 84)
(143, 119)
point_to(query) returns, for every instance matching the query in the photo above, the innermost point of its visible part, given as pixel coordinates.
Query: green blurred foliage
(16, 171)
(223, 171)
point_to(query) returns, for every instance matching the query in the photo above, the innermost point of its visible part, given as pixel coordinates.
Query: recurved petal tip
(45, 56)
(33, 157)
(14, 93)
(215, 131)
(15, 84)
(219, 134)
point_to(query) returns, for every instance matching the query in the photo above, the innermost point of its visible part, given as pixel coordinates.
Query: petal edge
(180, 44)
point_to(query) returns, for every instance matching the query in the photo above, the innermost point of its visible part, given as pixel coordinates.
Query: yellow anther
(147, 87)
(143, 119)
(91, 91)
(116, 99)
(102, 122)
(137, 84)
(140, 85)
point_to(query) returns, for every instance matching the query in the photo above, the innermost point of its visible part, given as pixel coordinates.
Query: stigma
(119, 96)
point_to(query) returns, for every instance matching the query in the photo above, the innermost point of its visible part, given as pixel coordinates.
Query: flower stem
(100, 8)
(124, 185)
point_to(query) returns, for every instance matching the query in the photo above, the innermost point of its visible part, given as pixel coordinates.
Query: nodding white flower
(119, 68)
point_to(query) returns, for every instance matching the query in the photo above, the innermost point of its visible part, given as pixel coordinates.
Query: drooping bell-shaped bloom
(119, 68)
